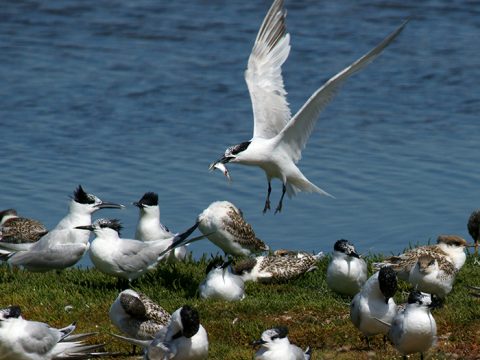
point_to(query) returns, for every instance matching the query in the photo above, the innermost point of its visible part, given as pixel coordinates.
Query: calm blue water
(135, 96)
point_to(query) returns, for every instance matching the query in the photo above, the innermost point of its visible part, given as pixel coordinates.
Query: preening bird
(278, 138)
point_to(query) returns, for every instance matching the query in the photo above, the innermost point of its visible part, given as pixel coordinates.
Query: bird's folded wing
(264, 74)
(296, 133)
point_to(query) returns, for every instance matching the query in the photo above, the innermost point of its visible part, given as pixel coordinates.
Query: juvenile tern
(63, 246)
(184, 339)
(276, 267)
(274, 345)
(433, 275)
(448, 247)
(223, 224)
(413, 329)
(220, 283)
(149, 227)
(32, 340)
(137, 316)
(347, 271)
(375, 302)
(278, 139)
(124, 258)
(18, 230)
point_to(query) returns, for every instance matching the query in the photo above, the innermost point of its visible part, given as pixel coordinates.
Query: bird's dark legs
(279, 206)
(267, 201)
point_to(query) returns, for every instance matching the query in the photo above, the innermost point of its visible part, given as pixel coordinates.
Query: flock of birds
(276, 146)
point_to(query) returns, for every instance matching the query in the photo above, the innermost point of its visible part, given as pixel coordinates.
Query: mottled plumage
(448, 247)
(434, 275)
(136, 315)
(276, 268)
(16, 230)
(223, 224)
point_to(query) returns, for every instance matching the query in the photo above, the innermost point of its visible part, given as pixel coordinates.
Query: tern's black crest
(235, 149)
(282, 332)
(415, 296)
(216, 262)
(149, 199)
(10, 312)
(110, 223)
(474, 224)
(80, 196)
(190, 321)
(345, 247)
(387, 279)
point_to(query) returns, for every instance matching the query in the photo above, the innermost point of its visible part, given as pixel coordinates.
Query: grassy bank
(315, 316)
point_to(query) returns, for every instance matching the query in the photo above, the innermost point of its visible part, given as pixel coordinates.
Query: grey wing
(355, 315)
(38, 338)
(397, 329)
(136, 255)
(296, 133)
(49, 258)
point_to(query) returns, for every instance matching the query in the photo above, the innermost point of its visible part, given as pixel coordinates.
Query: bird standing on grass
(123, 258)
(413, 329)
(223, 224)
(149, 227)
(278, 138)
(346, 272)
(449, 247)
(64, 245)
(375, 302)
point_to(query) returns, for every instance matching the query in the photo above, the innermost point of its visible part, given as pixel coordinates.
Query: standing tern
(149, 227)
(278, 139)
(375, 302)
(63, 246)
(124, 258)
(347, 271)
(448, 248)
(473, 227)
(413, 329)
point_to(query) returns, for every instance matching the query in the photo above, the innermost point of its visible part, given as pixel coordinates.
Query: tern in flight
(278, 138)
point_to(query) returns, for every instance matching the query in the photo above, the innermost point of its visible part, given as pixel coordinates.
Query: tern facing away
(184, 339)
(278, 139)
(221, 283)
(64, 245)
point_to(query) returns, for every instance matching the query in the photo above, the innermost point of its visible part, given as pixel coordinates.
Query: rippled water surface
(133, 96)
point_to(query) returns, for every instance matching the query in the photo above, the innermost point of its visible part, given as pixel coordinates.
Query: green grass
(315, 316)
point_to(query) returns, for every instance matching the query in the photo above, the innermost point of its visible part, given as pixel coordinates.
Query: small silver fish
(220, 166)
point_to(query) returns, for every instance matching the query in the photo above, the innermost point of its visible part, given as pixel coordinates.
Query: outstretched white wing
(298, 130)
(264, 74)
